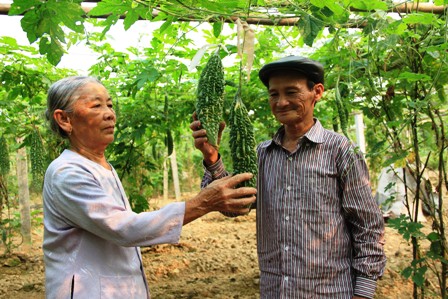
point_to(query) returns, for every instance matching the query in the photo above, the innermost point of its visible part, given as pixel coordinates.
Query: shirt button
(286, 248)
(287, 218)
(285, 278)
(288, 188)
(290, 158)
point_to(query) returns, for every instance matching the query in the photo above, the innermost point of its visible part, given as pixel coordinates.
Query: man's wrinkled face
(290, 98)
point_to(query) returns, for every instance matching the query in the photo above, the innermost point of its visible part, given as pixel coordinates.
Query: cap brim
(309, 68)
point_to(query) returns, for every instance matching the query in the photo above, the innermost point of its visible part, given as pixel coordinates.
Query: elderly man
(319, 231)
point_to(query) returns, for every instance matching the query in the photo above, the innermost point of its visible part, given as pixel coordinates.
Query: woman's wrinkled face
(93, 118)
(291, 100)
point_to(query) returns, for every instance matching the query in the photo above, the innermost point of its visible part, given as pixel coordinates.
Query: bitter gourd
(242, 144)
(210, 98)
(242, 141)
(4, 157)
(37, 157)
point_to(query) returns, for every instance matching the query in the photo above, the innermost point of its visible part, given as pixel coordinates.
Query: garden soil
(215, 258)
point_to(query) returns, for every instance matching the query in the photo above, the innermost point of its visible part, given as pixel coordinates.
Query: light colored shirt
(91, 235)
(320, 233)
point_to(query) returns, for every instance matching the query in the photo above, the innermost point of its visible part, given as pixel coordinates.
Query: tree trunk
(24, 196)
(3, 195)
(360, 138)
(175, 172)
(165, 179)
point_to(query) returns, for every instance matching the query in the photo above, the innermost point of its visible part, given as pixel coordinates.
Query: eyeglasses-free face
(291, 100)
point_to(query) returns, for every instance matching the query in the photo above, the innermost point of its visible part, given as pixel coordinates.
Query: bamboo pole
(402, 8)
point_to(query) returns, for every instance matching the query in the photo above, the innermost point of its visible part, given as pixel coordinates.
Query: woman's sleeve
(79, 200)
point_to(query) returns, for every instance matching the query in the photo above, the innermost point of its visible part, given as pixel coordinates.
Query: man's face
(290, 99)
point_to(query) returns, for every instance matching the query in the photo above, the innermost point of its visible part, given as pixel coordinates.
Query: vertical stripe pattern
(318, 228)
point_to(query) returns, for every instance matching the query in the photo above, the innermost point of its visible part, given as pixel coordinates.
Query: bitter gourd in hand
(242, 144)
(210, 98)
(242, 141)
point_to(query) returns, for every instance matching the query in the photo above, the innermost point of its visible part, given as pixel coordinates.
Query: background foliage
(387, 63)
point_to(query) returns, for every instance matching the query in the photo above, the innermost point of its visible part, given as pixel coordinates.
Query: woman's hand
(221, 195)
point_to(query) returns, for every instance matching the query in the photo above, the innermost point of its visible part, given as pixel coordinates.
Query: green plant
(10, 232)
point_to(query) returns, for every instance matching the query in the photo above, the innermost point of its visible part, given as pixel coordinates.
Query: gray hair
(61, 96)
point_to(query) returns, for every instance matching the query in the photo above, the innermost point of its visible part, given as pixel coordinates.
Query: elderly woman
(92, 237)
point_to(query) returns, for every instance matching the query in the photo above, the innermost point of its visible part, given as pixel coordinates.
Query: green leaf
(44, 21)
(29, 23)
(161, 17)
(166, 24)
(18, 7)
(108, 23)
(150, 74)
(335, 7)
(414, 77)
(130, 19)
(406, 227)
(221, 6)
(52, 49)
(13, 94)
(310, 27)
(106, 7)
(369, 5)
(419, 276)
(420, 18)
(407, 272)
(10, 41)
(52, 14)
(395, 158)
(441, 95)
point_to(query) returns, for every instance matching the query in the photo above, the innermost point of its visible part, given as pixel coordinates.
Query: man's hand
(209, 152)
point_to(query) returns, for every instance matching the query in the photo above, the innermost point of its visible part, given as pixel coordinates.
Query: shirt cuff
(216, 170)
(365, 287)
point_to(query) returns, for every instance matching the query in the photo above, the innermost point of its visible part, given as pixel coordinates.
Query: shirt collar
(315, 134)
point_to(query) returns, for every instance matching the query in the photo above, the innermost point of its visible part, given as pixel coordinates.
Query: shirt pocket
(319, 211)
(119, 287)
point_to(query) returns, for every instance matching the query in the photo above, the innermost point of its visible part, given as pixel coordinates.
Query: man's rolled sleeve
(213, 172)
(365, 287)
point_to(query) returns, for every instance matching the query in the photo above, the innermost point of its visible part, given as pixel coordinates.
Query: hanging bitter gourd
(242, 141)
(210, 98)
(341, 108)
(4, 157)
(37, 157)
(242, 144)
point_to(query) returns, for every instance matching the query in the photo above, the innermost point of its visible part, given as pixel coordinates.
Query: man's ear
(63, 120)
(319, 91)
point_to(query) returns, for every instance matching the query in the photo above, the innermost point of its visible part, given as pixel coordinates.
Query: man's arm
(212, 163)
(365, 222)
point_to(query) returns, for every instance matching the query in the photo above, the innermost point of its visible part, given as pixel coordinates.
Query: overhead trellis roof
(276, 13)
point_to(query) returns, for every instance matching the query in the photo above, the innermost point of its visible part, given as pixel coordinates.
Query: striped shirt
(320, 233)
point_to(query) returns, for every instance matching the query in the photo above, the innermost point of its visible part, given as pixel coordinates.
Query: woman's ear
(63, 120)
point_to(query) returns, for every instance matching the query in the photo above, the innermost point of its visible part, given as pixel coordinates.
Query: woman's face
(93, 119)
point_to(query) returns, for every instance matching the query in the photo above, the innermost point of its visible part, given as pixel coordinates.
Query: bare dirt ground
(216, 258)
